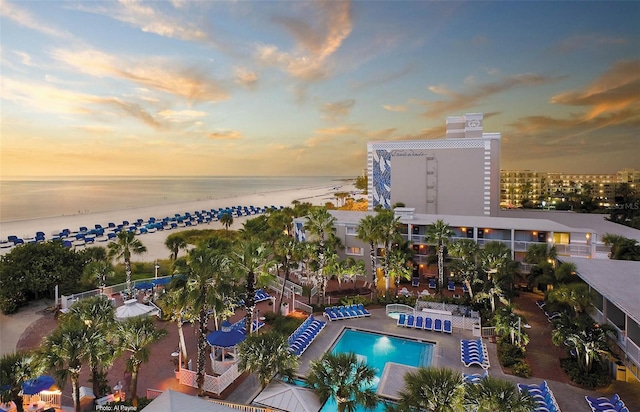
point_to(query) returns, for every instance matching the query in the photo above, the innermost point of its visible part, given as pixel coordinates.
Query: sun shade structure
(144, 285)
(226, 337)
(39, 384)
(132, 308)
(172, 401)
(290, 398)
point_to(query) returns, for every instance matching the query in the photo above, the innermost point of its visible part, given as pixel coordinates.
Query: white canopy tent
(286, 397)
(172, 401)
(132, 308)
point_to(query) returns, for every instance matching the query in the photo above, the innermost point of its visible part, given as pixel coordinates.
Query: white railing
(302, 306)
(633, 351)
(276, 284)
(212, 384)
(399, 308)
(51, 398)
(488, 331)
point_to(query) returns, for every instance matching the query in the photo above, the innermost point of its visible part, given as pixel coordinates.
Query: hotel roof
(616, 280)
(545, 225)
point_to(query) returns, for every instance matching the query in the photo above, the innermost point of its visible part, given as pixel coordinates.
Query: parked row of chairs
(604, 404)
(545, 401)
(346, 312)
(550, 316)
(425, 323)
(474, 352)
(306, 336)
(261, 296)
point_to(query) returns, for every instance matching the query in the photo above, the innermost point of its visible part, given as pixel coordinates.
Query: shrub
(521, 368)
(598, 377)
(509, 354)
(285, 325)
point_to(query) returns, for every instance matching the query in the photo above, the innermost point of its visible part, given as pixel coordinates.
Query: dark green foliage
(597, 378)
(522, 369)
(509, 354)
(285, 325)
(32, 271)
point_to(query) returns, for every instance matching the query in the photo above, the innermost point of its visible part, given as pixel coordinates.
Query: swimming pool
(376, 350)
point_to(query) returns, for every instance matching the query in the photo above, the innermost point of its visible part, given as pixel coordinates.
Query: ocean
(52, 197)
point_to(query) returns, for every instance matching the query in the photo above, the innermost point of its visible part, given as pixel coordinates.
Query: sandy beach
(155, 241)
(13, 326)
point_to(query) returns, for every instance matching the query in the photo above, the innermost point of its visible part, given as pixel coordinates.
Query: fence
(212, 384)
(52, 398)
(297, 305)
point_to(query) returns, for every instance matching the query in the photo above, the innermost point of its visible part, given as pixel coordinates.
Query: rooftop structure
(458, 175)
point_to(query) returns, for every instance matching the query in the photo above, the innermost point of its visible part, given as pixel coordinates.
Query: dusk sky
(189, 88)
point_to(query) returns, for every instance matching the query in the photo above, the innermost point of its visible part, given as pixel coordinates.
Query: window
(350, 230)
(354, 251)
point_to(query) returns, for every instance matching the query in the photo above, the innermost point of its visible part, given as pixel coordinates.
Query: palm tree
(578, 296)
(99, 271)
(590, 346)
(125, 245)
(174, 243)
(367, 231)
(15, 369)
(97, 315)
(467, 251)
(342, 377)
(227, 220)
(135, 335)
(398, 267)
(387, 224)
(267, 355)
(254, 261)
(287, 251)
(209, 293)
(509, 323)
(496, 395)
(321, 224)
(432, 389)
(439, 233)
(64, 351)
(175, 303)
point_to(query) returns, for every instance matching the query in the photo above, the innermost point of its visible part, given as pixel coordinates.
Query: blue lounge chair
(419, 322)
(447, 326)
(363, 309)
(451, 286)
(411, 321)
(402, 320)
(428, 323)
(432, 283)
(415, 282)
(329, 313)
(437, 325)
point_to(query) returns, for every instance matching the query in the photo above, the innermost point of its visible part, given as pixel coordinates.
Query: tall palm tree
(135, 335)
(267, 355)
(226, 220)
(287, 251)
(342, 377)
(398, 267)
(367, 231)
(174, 242)
(432, 389)
(97, 315)
(321, 224)
(64, 351)
(438, 233)
(125, 245)
(176, 305)
(209, 293)
(15, 369)
(591, 346)
(578, 296)
(254, 261)
(387, 224)
(496, 395)
(466, 266)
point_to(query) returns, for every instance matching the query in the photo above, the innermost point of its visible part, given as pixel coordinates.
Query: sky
(245, 88)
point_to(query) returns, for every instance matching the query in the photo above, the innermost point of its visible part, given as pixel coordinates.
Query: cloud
(615, 90)
(150, 20)
(95, 129)
(314, 44)
(132, 109)
(458, 102)
(337, 110)
(382, 78)
(398, 108)
(245, 77)
(155, 73)
(225, 135)
(26, 19)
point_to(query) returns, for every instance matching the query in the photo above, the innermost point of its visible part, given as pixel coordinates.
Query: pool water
(376, 350)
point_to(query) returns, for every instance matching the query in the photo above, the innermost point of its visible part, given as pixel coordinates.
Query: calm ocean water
(29, 199)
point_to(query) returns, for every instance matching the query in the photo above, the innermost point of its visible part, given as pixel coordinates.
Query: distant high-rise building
(457, 175)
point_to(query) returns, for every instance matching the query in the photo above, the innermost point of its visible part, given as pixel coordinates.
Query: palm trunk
(183, 346)
(133, 388)
(372, 255)
(441, 266)
(284, 284)
(18, 400)
(250, 303)
(95, 378)
(202, 351)
(127, 269)
(76, 392)
(468, 283)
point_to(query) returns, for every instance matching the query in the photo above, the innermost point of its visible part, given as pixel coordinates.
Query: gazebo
(223, 346)
(132, 308)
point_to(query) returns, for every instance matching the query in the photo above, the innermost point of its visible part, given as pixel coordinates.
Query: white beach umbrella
(132, 308)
